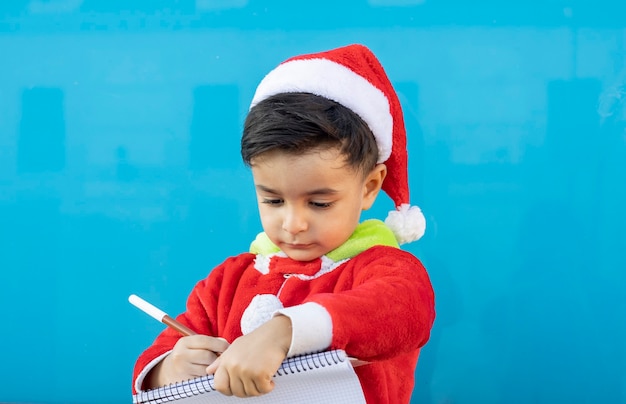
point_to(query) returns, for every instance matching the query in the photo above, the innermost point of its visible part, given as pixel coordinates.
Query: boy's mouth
(298, 246)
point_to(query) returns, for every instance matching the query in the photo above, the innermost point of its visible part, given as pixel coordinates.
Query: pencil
(159, 315)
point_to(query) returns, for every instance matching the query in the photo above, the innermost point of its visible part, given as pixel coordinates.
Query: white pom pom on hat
(353, 76)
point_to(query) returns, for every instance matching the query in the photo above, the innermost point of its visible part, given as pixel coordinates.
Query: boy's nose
(294, 221)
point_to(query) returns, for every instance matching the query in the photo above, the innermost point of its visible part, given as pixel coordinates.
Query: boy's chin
(302, 254)
(303, 258)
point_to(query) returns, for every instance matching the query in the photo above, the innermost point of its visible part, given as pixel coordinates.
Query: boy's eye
(272, 201)
(322, 205)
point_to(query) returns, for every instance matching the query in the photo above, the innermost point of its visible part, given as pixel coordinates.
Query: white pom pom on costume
(259, 311)
(407, 223)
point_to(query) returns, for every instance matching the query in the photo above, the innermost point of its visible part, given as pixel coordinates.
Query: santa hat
(353, 77)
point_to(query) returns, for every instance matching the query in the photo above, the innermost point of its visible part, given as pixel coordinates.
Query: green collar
(367, 234)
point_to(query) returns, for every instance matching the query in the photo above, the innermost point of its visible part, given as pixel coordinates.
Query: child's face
(310, 204)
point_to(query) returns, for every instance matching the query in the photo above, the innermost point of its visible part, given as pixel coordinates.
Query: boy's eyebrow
(320, 191)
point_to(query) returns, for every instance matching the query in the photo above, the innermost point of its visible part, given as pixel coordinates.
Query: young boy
(324, 135)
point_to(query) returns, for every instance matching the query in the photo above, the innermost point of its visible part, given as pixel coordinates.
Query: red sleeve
(389, 310)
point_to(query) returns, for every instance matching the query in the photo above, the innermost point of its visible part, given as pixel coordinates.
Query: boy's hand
(189, 358)
(247, 367)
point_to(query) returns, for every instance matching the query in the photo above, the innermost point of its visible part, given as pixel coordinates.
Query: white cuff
(311, 328)
(144, 372)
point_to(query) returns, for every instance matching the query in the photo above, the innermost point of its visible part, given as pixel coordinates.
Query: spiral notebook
(324, 377)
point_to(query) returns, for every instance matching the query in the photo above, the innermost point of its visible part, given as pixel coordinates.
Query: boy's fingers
(222, 381)
(218, 344)
(203, 357)
(237, 387)
(210, 370)
(194, 341)
(214, 344)
(196, 371)
(265, 386)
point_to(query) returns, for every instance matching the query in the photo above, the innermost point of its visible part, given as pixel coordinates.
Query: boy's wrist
(281, 331)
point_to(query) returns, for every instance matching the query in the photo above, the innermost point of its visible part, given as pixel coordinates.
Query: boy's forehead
(312, 166)
(332, 155)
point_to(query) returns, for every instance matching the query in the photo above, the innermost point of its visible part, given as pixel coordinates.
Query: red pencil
(159, 315)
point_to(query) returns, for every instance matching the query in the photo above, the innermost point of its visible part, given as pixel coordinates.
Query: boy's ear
(373, 184)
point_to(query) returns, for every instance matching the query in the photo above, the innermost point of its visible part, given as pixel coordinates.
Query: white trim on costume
(311, 328)
(328, 266)
(338, 83)
(144, 372)
(262, 264)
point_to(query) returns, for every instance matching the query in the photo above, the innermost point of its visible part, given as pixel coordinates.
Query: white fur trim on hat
(407, 223)
(338, 83)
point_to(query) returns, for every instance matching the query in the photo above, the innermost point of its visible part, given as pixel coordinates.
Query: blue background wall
(120, 174)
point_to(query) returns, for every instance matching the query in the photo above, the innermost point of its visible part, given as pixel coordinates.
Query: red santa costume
(367, 297)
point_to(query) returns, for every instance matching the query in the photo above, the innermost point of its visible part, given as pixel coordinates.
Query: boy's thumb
(210, 370)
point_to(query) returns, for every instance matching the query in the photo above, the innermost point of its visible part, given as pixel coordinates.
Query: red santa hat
(353, 77)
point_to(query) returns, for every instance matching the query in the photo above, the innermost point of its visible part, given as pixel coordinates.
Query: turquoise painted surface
(120, 174)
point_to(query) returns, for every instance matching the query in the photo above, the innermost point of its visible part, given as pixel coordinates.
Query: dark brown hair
(300, 122)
